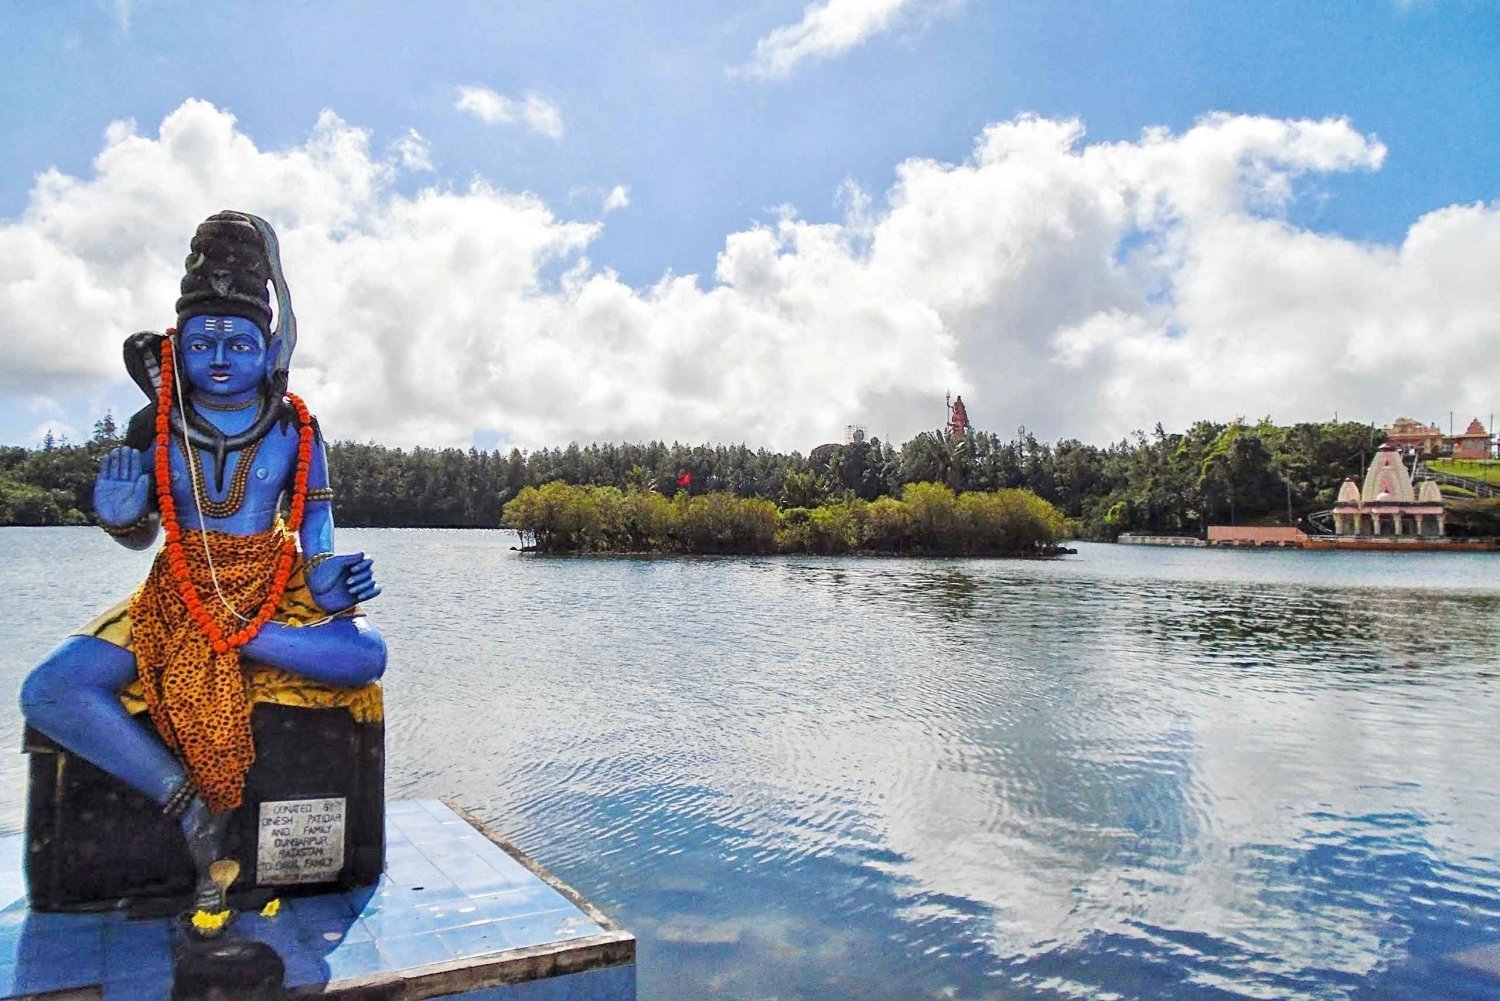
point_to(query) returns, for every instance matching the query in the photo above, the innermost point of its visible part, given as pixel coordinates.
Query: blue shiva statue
(224, 459)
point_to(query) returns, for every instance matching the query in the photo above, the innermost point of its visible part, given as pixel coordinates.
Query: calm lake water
(1132, 773)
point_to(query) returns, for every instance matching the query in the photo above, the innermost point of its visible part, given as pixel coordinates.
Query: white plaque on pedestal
(301, 841)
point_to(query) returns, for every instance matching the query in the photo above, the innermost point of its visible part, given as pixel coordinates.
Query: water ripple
(1132, 774)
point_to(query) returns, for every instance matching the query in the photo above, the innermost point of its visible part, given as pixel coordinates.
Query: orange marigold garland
(175, 558)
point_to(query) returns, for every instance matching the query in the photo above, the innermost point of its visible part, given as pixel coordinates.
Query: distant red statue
(958, 418)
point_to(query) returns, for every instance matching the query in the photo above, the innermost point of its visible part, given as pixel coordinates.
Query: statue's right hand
(123, 489)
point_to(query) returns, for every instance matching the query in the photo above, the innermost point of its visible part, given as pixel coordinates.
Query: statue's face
(223, 356)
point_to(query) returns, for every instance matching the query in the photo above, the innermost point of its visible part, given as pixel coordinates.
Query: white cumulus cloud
(618, 198)
(413, 151)
(828, 28)
(1081, 289)
(493, 108)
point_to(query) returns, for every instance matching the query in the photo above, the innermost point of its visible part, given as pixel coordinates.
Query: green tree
(802, 490)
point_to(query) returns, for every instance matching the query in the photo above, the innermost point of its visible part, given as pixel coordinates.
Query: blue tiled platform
(455, 915)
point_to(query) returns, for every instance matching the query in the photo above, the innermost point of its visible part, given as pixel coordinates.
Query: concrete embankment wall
(1137, 539)
(1282, 537)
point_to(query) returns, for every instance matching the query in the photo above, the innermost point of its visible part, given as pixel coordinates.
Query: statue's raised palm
(122, 489)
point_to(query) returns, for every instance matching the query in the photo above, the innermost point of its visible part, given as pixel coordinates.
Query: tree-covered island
(927, 519)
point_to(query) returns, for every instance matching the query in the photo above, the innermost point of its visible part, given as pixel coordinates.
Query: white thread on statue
(187, 450)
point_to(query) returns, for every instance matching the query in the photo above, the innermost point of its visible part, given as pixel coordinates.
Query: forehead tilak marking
(222, 324)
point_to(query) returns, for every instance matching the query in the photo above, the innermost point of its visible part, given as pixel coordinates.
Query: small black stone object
(227, 969)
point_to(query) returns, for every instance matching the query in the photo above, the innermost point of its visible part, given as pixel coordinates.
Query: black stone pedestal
(94, 843)
(227, 969)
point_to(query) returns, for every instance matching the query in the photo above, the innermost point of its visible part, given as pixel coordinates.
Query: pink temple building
(1388, 503)
(1473, 443)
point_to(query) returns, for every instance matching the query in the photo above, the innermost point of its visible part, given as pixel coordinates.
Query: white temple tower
(1389, 504)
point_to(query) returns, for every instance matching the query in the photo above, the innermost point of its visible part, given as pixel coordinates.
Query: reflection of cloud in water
(1132, 806)
(1184, 770)
(905, 778)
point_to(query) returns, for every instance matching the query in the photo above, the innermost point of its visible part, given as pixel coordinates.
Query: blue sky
(662, 99)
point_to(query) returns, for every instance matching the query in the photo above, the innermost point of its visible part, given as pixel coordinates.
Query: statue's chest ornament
(231, 504)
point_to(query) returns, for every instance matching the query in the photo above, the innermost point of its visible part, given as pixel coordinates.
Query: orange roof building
(1413, 436)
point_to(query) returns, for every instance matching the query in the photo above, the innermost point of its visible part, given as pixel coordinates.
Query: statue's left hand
(341, 582)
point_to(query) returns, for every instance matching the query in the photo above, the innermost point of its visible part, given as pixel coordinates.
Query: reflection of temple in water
(1388, 503)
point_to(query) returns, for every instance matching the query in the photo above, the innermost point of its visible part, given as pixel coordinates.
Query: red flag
(685, 478)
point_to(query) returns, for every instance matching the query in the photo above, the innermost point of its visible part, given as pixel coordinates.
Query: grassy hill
(1484, 470)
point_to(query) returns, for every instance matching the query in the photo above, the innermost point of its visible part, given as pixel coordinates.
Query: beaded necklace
(236, 497)
(175, 556)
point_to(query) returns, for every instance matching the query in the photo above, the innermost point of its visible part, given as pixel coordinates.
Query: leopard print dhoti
(196, 696)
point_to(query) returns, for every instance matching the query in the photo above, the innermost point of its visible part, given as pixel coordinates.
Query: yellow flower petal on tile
(272, 908)
(210, 921)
